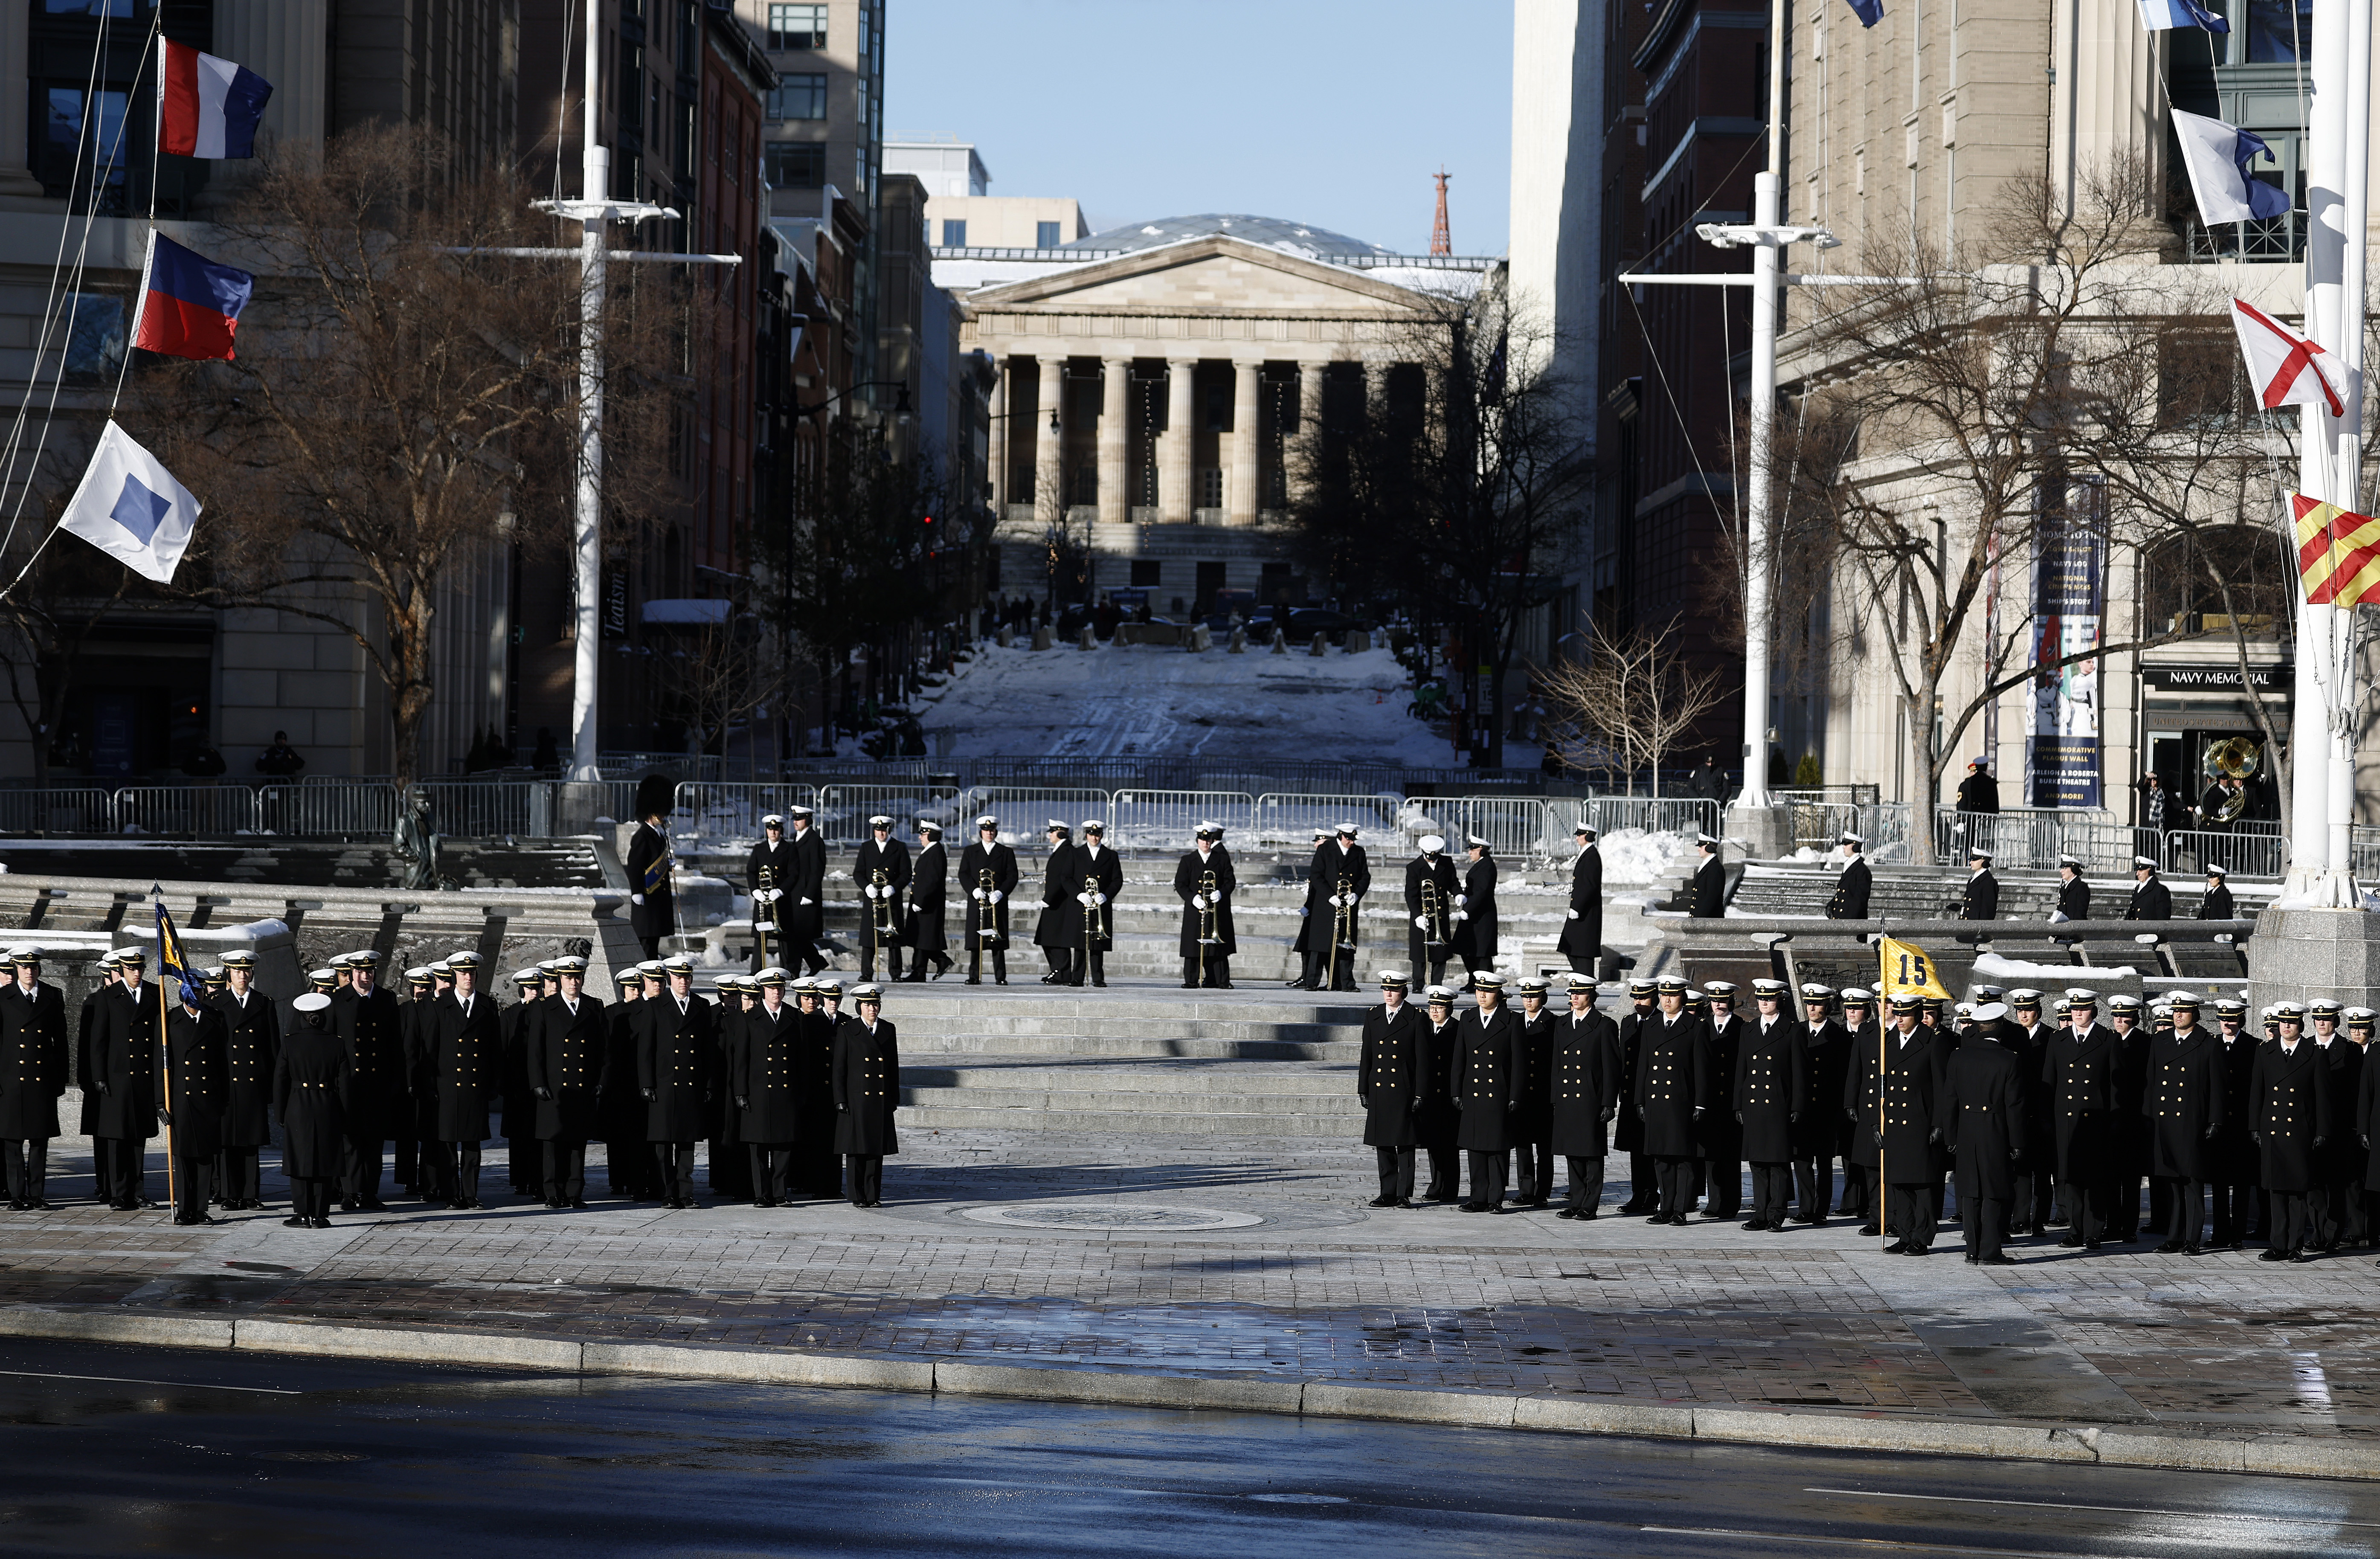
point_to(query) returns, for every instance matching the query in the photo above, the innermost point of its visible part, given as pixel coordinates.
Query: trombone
(1095, 920)
(1206, 935)
(879, 923)
(1433, 910)
(1343, 927)
(986, 918)
(764, 913)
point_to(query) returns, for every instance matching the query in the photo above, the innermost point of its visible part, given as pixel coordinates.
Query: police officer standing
(1388, 1085)
(867, 1090)
(1488, 1089)
(986, 875)
(32, 1076)
(252, 1054)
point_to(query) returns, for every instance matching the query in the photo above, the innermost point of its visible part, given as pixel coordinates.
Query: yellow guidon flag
(1906, 969)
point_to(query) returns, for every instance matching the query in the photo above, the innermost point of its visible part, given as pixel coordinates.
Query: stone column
(1240, 483)
(1116, 441)
(1048, 452)
(15, 113)
(1309, 418)
(1176, 476)
(998, 441)
(288, 45)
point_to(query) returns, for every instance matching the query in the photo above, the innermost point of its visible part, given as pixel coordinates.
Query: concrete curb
(2273, 1454)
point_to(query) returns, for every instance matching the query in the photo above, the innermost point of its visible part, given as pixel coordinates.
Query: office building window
(798, 97)
(796, 27)
(796, 165)
(1210, 487)
(953, 235)
(1045, 235)
(1147, 573)
(94, 335)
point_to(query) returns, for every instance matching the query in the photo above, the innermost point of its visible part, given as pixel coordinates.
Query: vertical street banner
(2070, 569)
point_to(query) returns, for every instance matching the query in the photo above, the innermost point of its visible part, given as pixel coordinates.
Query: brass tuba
(2235, 759)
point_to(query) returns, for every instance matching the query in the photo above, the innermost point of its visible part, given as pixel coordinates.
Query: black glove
(102, 1086)
(167, 1116)
(1934, 1134)
(1738, 1117)
(2321, 1141)
(1794, 1117)
(742, 1105)
(648, 1093)
(2210, 1136)
(543, 1092)
(1699, 1113)
(1878, 1135)
(1364, 1100)
(2016, 1153)
(1611, 1113)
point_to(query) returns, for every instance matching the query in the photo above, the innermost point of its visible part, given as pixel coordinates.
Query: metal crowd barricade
(2240, 854)
(2105, 846)
(844, 811)
(732, 810)
(478, 808)
(1286, 820)
(1168, 820)
(1820, 824)
(68, 809)
(1512, 826)
(361, 809)
(198, 810)
(1024, 810)
(1664, 814)
(2023, 838)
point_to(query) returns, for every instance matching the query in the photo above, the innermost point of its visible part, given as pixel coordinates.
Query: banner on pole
(2069, 597)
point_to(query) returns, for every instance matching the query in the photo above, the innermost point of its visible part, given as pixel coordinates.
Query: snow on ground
(1147, 700)
(1631, 855)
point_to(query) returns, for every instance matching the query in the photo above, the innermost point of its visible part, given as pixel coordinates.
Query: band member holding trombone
(882, 870)
(1100, 870)
(1203, 881)
(988, 875)
(1335, 885)
(1430, 903)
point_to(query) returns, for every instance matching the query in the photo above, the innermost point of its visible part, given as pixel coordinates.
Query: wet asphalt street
(116, 1450)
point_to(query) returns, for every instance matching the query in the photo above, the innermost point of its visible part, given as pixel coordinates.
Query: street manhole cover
(1110, 1215)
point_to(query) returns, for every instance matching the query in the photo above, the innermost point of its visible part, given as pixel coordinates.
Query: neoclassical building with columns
(1153, 382)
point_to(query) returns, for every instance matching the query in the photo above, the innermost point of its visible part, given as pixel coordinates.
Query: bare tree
(717, 674)
(1633, 695)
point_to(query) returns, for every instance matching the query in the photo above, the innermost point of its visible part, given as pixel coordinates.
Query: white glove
(2057, 917)
(1462, 899)
(1098, 898)
(869, 890)
(1421, 921)
(996, 896)
(1462, 914)
(1198, 901)
(977, 896)
(635, 898)
(809, 901)
(1086, 899)
(1573, 914)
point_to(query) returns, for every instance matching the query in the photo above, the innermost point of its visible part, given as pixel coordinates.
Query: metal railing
(1609, 815)
(732, 810)
(366, 810)
(2240, 854)
(2105, 846)
(1024, 810)
(1512, 826)
(71, 810)
(476, 808)
(844, 811)
(1168, 820)
(1286, 820)
(192, 810)
(1820, 824)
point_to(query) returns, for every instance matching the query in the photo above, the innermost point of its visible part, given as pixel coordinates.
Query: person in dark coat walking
(2289, 1104)
(2073, 892)
(1055, 930)
(1337, 879)
(2233, 1156)
(1430, 888)
(1981, 1108)
(1719, 1170)
(1891, 1098)
(1532, 1125)
(2184, 1108)
(1771, 1093)
(2151, 901)
(1581, 942)
(569, 1051)
(194, 1085)
(2335, 1201)
(524, 1152)
(867, 1091)
(1475, 909)
(309, 1090)
(32, 1076)
(1673, 1093)
(769, 872)
(881, 871)
(928, 892)
(986, 875)
(1628, 1132)
(2083, 1068)
(1388, 1084)
(1825, 1054)
(1488, 1089)
(1980, 899)
(124, 1043)
(1438, 1120)
(769, 1090)
(1707, 898)
(1203, 881)
(2217, 904)
(677, 1072)
(1849, 899)
(652, 901)
(1313, 918)
(801, 914)
(251, 1050)
(464, 1056)
(1584, 1098)
(1090, 908)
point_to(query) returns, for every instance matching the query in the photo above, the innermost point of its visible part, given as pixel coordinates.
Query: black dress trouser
(310, 1197)
(28, 1162)
(1487, 1180)
(2186, 1211)
(1396, 1166)
(127, 1169)
(1986, 1223)
(1535, 1182)
(1675, 1178)
(1586, 1184)
(1914, 1208)
(237, 1178)
(566, 1172)
(867, 1178)
(194, 1179)
(1772, 1191)
(772, 1171)
(1445, 1173)
(1813, 1186)
(675, 1162)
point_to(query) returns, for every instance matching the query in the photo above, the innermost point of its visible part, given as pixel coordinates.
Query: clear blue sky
(1328, 112)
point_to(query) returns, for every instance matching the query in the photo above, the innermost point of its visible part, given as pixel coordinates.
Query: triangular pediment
(1211, 274)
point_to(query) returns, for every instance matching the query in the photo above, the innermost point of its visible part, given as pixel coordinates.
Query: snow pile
(2000, 968)
(1632, 854)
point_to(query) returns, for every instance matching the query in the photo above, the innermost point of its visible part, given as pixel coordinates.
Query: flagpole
(2354, 62)
(166, 1058)
(1884, 1006)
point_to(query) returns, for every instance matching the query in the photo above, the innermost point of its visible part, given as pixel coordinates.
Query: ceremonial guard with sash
(252, 1052)
(1488, 1089)
(986, 875)
(867, 1088)
(1849, 901)
(676, 1070)
(928, 892)
(310, 1086)
(1580, 942)
(881, 871)
(1390, 1084)
(1771, 1093)
(1099, 876)
(195, 1073)
(1981, 1109)
(1430, 891)
(466, 1056)
(1673, 1093)
(569, 1049)
(1203, 881)
(653, 912)
(32, 1077)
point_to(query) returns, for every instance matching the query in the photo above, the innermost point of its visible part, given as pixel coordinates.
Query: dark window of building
(1218, 408)
(797, 26)
(796, 165)
(798, 97)
(1148, 572)
(1045, 235)
(953, 235)
(96, 335)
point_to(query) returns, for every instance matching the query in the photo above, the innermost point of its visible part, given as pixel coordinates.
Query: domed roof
(1294, 238)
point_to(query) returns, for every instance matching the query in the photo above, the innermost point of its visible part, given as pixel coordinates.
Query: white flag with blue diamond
(130, 507)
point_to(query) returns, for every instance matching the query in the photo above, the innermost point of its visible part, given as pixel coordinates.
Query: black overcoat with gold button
(866, 1086)
(1587, 1081)
(1488, 1079)
(568, 1056)
(1772, 1086)
(1904, 1083)
(677, 1063)
(1389, 1080)
(2085, 1072)
(32, 1061)
(771, 1081)
(2289, 1103)
(194, 1079)
(1673, 1081)
(466, 1063)
(251, 1051)
(1981, 1106)
(2184, 1104)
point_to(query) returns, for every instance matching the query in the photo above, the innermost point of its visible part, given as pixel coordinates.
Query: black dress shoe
(1898, 1248)
(2000, 1260)
(1869, 1231)
(579, 1204)
(1567, 1212)
(1658, 1218)
(2193, 1250)
(974, 980)
(296, 1223)
(1756, 1223)
(1381, 1201)
(367, 1207)
(2170, 1248)
(1973, 1259)
(321, 1223)
(2071, 1242)
(2275, 1254)
(2303, 1256)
